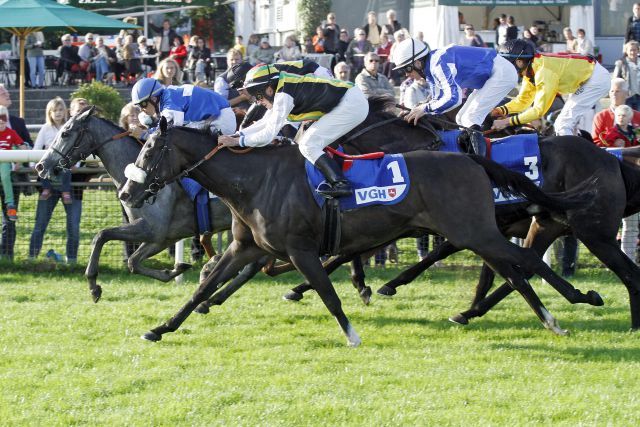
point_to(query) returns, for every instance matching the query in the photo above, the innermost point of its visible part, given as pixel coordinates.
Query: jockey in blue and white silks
(184, 105)
(452, 69)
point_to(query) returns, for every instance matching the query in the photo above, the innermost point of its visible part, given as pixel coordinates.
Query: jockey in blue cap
(450, 70)
(185, 105)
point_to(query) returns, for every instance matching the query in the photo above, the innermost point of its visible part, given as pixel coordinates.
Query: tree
(312, 13)
(218, 24)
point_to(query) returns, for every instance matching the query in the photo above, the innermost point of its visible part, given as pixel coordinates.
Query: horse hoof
(292, 296)
(96, 293)
(202, 308)
(387, 291)
(151, 336)
(459, 319)
(365, 295)
(595, 299)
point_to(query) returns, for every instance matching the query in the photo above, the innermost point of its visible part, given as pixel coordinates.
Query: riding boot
(477, 141)
(338, 186)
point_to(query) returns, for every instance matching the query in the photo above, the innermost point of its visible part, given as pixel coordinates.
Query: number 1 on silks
(395, 170)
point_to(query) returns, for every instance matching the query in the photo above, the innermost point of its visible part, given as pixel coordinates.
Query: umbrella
(22, 17)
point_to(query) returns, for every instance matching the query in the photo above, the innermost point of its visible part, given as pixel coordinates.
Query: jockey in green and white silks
(335, 105)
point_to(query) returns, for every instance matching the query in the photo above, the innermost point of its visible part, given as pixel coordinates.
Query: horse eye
(65, 134)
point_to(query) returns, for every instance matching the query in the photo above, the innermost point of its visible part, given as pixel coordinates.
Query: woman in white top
(416, 93)
(56, 116)
(584, 45)
(289, 52)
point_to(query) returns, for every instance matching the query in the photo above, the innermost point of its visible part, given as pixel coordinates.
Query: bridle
(65, 157)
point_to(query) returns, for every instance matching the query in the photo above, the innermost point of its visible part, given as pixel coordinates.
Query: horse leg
(136, 231)
(442, 251)
(308, 264)
(608, 251)
(205, 241)
(223, 294)
(482, 289)
(148, 250)
(330, 265)
(234, 258)
(357, 278)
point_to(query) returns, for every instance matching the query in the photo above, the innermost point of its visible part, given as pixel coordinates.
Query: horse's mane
(203, 131)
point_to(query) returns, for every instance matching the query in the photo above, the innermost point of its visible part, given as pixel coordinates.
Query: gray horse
(156, 225)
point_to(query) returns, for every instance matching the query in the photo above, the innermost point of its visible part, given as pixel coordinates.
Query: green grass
(258, 360)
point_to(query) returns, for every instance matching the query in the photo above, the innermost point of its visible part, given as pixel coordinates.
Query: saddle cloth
(616, 152)
(382, 181)
(519, 153)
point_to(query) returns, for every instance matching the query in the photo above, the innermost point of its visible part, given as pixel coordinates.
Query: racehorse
(566, 161)
(157, 226)
(274, 213)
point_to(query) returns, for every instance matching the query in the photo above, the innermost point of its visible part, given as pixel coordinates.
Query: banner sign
(104, 4)
(494, 3)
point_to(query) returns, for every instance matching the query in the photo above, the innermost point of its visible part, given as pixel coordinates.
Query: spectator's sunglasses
(374, 60)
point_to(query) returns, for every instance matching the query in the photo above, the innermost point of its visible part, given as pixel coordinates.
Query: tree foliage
(311, 14)
(220, 24)
(106, 98)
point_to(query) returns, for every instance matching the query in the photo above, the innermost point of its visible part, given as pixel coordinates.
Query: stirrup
(339, 189)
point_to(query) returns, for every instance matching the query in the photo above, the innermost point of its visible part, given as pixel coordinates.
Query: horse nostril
(39, 167)
(124, 196)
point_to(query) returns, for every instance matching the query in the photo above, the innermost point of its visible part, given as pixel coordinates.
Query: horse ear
(163, 125)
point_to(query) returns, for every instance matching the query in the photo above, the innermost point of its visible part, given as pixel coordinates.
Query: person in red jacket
(622, 133)
(9, 139)
(604, 120)
(178, 51)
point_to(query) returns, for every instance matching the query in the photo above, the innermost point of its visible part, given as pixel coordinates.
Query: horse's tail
(516, 184)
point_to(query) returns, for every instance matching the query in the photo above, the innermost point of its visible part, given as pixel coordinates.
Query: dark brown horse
(274, 213)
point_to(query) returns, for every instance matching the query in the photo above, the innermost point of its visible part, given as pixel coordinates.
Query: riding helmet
(259, 77)
(516, 49)
(235, 75)
(145, 89)
(408, 51)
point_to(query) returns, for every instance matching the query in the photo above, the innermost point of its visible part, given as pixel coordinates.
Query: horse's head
(73, 143)
(151, 170)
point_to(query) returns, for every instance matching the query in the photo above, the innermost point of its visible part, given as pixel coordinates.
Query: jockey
(543, 76)
(450, 70)
(337, 106)
(182, 105)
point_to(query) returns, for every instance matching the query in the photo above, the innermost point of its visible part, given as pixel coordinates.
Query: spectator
(69, 60)
(86, 52)
(584, 45)
(117, 65)
(419, 36)
(470, 38)
(9, 140)
(627, 69)
(331, 34)
(289, 52)
(8, 226)
(633, 25)
(264, 54)
(372, 29)
(101, 60)
(73, 210)
(392, 24)
(358, 47)
(179, 51)
(318, 41)
(572, 42)
(252, 46)
(35, 55)
(622, 133)
(501, 30)
(147, 54)
(342, 71)
(343, 45)
(165, 41)
(370, 81)
(533, 36)
(512, 30)
(168, 72)
(240, 46)
(55, 117)
(307, 45)
(416, 93)
(384, 52)
(604, 120)
(530, 39)
(222, 86)
(199, 62)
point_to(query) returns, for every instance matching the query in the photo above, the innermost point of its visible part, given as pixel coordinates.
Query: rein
(65, 159)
